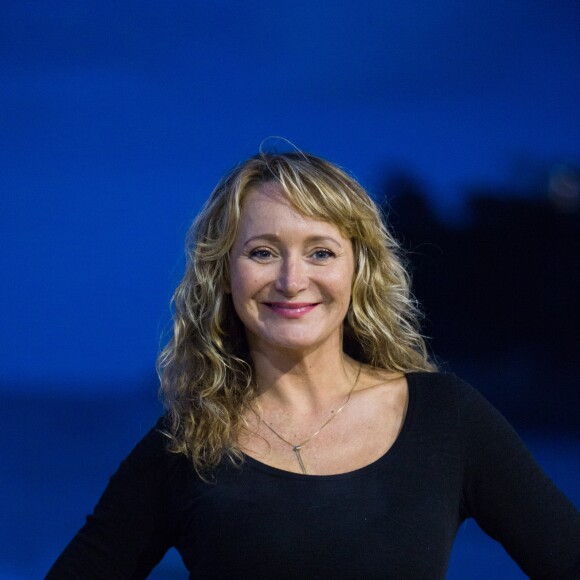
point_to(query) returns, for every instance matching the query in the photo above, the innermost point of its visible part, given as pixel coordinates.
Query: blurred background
(118, 118)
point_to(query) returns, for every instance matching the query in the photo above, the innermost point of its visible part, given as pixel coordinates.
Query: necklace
(296, 448)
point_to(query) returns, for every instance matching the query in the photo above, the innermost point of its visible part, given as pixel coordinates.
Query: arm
(511, 498)
(127, 534)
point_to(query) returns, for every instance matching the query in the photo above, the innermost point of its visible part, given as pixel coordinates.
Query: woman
(307, 434)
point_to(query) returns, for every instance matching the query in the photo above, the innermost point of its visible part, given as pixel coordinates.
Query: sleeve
(128, 533)
(511, 498)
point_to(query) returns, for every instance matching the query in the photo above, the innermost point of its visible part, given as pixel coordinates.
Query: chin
(293, 343)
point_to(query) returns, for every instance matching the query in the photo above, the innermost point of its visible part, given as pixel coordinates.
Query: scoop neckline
(359, 471)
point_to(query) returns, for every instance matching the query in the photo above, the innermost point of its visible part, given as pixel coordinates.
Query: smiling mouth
(291, 309)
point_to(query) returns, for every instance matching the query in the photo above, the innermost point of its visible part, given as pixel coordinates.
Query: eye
(323, 255)
(261, 254)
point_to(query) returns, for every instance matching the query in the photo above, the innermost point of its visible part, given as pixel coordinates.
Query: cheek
(340, 286)
(245, 282)
(237, 277)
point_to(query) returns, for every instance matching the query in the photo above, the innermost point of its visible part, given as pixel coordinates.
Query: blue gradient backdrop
(117, 118)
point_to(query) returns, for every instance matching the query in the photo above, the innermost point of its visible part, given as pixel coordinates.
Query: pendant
(296, 449)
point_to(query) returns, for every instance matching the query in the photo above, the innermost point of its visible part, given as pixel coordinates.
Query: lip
(291, 309)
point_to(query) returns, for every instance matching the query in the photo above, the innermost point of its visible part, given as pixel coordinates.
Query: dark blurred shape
(408, 206)
(500, 293)
(564, 187)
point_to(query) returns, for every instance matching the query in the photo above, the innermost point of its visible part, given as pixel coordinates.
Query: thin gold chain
(296, 448)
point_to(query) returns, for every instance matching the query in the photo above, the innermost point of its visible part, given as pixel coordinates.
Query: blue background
(117, 119)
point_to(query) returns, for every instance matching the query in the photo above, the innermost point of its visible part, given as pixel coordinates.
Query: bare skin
(291, 279)
(360, 434)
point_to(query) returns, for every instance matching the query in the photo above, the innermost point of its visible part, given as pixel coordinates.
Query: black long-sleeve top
(455, 457)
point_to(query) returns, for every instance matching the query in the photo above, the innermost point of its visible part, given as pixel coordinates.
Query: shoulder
(147, 471)
(446, 398)
(151, 454)
(439, 380)
(448, 402)
(435, 388)
(155, 441)
(444, 387)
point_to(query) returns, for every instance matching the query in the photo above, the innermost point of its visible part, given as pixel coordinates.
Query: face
(291, 276)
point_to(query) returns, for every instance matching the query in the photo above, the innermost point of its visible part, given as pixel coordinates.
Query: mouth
(291, 309)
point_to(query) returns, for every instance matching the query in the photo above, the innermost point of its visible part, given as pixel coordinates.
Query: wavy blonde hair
(206, 373)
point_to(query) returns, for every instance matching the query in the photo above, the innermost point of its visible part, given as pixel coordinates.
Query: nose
(292, 276)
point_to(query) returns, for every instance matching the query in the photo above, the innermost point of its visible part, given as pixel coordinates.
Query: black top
(456, 457)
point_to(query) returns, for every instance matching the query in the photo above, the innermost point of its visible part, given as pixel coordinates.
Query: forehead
(264, 196)
(268, 204)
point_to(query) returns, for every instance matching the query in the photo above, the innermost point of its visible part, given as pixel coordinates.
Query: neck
(306, 384)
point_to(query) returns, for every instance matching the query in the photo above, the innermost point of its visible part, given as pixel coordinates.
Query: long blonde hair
(206, 372)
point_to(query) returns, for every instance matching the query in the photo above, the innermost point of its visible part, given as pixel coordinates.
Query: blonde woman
(307, 433)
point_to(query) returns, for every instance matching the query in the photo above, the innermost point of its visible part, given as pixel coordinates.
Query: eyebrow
(275, 238)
